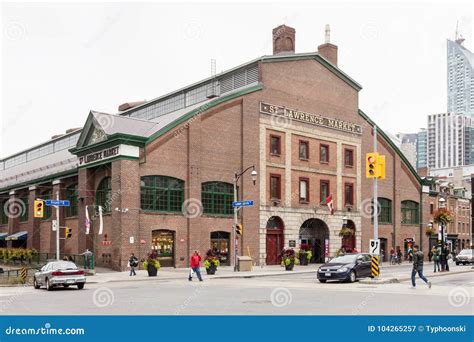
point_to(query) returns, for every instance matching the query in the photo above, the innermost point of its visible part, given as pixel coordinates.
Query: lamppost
(237, 176)
(442, 205)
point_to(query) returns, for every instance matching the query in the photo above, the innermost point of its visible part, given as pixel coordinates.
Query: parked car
(348, 267)
(464, 257)
(59, 273)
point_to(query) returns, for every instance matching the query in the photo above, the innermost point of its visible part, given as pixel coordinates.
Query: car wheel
(35, 284)
(457, 263)
(322, 280)
(352, 277)
(48, 285)
(65, 286)
(80, 286)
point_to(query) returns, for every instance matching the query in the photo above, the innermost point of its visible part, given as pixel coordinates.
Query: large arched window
(161, 193)
(4, 208)
(385, 211)
(103, 194)
(47, 195)
(410, 212)
(217, 198)
(71, 196)
(24, 203)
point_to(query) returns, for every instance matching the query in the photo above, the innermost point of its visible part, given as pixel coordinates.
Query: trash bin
(244, 263)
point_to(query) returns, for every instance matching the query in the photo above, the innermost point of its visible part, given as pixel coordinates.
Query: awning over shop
(3, 236)
(18, 236)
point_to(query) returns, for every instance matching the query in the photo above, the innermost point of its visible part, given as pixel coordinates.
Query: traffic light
(371, 166)
(239, 229)
(67, 232)
(381, 167)
(39, 209)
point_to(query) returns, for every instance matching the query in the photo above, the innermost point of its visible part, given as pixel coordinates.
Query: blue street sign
(242, 204)
(59, 203)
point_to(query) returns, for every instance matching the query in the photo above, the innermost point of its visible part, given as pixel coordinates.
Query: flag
(328, 202)
(101, 222)
(88, 221)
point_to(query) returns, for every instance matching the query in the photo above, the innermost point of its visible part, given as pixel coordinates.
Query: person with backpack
(133, 262)
(418, 267)
(435, 256)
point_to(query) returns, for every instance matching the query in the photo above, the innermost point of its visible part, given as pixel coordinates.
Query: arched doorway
(220, 243)
(348, 240)
(275, 240)
(162, 241)
(315, 233)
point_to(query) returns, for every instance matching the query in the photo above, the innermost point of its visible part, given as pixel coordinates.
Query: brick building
(162, 171)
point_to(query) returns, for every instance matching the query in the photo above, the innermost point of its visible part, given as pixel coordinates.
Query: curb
(399, 280)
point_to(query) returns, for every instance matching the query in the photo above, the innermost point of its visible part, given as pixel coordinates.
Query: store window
(162, 242)
(103, 194)
(217, 198)
(161, 193)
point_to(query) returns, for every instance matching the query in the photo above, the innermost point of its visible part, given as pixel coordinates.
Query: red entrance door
(274, 246)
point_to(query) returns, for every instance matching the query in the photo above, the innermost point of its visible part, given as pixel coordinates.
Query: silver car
(59, 273)
(465, 257)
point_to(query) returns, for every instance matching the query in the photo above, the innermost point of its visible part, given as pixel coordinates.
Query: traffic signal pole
(376, 200)
(57, 227)
(234, 233)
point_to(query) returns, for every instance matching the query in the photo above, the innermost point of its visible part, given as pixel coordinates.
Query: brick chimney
(328, 50)
(283, 40)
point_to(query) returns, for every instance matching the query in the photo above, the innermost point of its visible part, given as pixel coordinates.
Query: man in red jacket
(195, 264)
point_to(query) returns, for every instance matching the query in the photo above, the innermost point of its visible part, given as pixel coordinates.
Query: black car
(346, 267)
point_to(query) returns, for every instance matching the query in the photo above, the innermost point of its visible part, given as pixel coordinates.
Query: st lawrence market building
(162, 171)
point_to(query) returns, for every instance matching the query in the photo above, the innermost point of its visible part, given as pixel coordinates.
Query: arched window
(71, 196)
(103, 194)
(24, 201)
(385, 211)
(47, 195)
(161, 193)
(410, 212)
(3, 209)
(217, 198)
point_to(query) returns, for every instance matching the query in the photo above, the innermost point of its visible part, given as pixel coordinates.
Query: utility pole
(376, 201)
(234, 233)
(57, 227)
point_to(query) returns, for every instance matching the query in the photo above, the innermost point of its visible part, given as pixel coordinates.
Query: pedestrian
(195, 264)
(133, 262)
(447, 257)
(435, 257)
(399, 256)
(418, 267)
(410, 254)
(392, 256)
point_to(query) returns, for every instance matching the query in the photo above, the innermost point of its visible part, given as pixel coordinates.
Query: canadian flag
(328, 202)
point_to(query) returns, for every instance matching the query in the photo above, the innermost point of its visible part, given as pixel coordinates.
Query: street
(292, 294)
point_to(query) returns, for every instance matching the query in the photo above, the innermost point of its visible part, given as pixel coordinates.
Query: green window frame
(71, 196)
(161, 193)
(47, 195)
(385, 213)
(410, 212)
(3, 211)
(25, 208)
(217, 198)
(103, 194)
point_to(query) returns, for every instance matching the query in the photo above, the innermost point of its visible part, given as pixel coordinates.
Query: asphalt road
(296, 294)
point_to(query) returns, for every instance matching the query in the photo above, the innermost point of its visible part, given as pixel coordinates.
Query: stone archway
(348, 242)
(315, 233)
(274, 240)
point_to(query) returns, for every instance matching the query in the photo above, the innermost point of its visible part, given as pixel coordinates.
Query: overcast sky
(61, 60)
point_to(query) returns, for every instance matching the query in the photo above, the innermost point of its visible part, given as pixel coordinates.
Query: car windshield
(465, 252)
(344, 259)
(64, 265)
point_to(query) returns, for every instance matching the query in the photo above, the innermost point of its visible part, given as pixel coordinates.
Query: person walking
(133, 262)
(399, 256)
(418, 267)
(195, 264)
(435, 257)
(447, 257)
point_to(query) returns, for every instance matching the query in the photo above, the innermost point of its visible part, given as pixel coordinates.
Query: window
(103, 194)
(275, 186)
(160, 193)
(324, 190)
(47, 195)
(349, 194)
(275, 145)
(385, 211)
(431, 208)
(217, 198)
(71, 196)
(304, 150)
(3, 209)
(304, 190)
(348, 158)
(24, 208)
(324, 153)
(410, 212)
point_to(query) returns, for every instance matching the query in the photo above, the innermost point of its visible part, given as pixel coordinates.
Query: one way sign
(374, 247)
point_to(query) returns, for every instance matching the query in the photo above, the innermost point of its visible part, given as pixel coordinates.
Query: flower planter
(211, 269)
(290, 266)
(152, 271)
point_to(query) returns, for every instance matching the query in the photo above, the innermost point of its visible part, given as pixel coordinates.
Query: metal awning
(3, 236)
(18, 236)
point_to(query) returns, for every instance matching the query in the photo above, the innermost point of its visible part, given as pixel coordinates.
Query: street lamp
(344, 222)
(237, 176)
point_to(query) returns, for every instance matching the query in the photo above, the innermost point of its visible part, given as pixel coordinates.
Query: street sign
(58, 203)
(23, 274)
(242, 204)
(374, 247)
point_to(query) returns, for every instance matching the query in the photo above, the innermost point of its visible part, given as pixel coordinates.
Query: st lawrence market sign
(93, 157)
(314, 119)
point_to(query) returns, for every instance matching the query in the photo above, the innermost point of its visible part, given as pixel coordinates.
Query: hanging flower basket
(346, 232)
(430, 231)
(443, 216)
